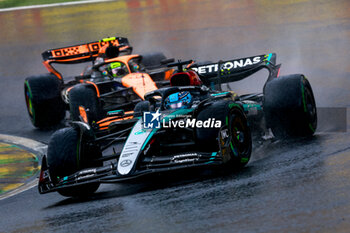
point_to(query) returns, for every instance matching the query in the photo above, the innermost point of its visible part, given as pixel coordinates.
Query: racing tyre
(151, 60)
(233, 139)
(290, 107)
(84, 95)
(67, 154)
(141, 107)
(43, 100)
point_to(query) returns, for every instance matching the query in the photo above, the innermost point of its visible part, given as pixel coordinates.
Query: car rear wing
(235, 70)
(84, 52)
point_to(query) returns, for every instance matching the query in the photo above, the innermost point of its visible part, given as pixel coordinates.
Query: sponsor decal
(227, 66)
(130, 148)
(181, 156)
(126, 162)
(89, 171)
(68, 51)
(152, 120)
(186, 160)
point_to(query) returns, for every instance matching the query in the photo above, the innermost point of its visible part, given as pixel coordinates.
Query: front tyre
(233, 140)
(236, 142)
(67, 154)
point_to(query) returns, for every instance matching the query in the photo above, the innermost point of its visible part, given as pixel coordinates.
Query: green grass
(16, 3)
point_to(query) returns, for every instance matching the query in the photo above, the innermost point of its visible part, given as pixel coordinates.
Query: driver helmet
(134, 66)
(114, 69)
(179, 100)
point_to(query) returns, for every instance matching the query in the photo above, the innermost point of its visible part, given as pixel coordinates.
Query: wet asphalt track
(294, 186)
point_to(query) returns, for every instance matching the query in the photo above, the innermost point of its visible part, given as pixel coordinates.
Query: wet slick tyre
(84, 95)
(233, 139)
(64, 157)
(289, 106)
(43, 100)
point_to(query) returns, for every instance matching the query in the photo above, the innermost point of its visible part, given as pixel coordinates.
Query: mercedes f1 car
(116, 79)
(184, 126)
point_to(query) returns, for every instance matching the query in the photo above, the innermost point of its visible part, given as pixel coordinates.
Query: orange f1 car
(115, 80)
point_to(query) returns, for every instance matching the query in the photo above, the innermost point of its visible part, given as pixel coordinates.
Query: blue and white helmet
(178, 100)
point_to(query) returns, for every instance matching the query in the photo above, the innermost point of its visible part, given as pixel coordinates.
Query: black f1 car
(183, 126)
(115, 80)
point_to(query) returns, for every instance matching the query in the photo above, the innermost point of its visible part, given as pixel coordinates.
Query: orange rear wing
(84, 52)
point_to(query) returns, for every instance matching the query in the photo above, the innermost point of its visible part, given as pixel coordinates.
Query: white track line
(29, 143)
(52, 5)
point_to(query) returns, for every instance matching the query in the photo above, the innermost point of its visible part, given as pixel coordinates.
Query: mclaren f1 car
(116, 79)
(184, 126)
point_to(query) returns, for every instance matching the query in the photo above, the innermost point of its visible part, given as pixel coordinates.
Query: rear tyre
(67, 154)
(84, 95)
(233, 139)
(43, 100)
(151, 60)
(290, 107)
